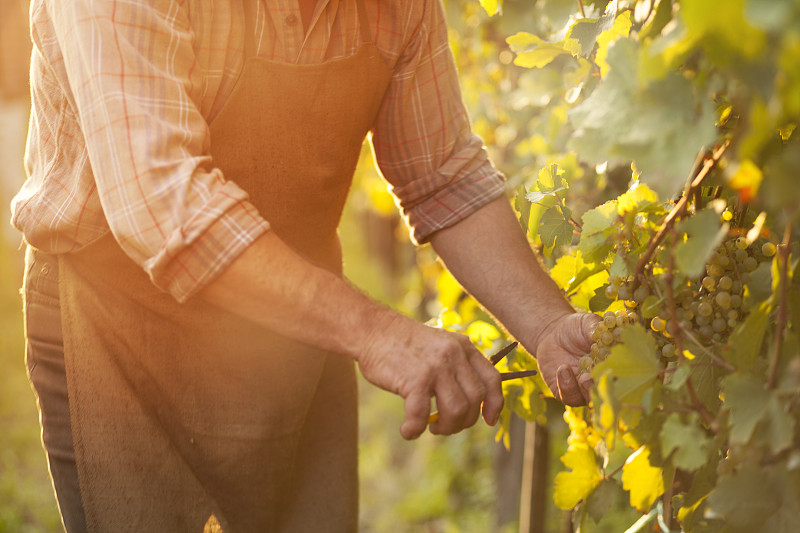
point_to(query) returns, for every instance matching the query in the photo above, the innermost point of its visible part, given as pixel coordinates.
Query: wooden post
(533, 498)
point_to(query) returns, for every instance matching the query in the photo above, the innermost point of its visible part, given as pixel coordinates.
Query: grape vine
(658, 178)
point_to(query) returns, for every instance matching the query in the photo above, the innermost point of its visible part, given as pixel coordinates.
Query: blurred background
(471, 482)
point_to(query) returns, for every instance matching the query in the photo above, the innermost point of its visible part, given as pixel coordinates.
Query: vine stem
(583, 10)
(697, 405)
(783, 260)
(680, 207)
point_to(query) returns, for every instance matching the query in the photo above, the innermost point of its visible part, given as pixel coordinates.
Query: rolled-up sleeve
(133, 88)
(437, 167)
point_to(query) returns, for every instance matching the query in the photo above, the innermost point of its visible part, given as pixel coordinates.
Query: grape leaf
(744, 344)
(751, 404)
(606, 410)
(598, 225)
(642, 480)
(555, 229)
(660, 126)
(745, 499)
(599, 503)
(492, 6)
(632, 364)
(688, 442)
(703, 233)
(523, 206)
(572, 487)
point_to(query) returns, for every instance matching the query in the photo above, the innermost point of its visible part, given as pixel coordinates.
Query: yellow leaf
(642, 480)
(491, 6)
(746, 180)
(572, 487)
(482, 333)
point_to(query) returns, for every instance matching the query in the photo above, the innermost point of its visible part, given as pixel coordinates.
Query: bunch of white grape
(707, 309)
(606, 334)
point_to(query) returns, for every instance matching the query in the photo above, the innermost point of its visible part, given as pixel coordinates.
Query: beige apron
(184, 411)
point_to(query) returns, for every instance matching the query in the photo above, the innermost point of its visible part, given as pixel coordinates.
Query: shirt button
(291, 20)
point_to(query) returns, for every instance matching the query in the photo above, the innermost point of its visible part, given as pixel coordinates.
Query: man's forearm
(272, 285)
(489, 255)
(275, 287)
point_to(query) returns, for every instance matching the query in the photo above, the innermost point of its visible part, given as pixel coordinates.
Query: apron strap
(250, 12)
(363, 22)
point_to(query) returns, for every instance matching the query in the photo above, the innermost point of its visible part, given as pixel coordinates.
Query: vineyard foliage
(653, 152)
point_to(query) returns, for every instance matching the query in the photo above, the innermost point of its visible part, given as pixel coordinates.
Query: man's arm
(488, 253)
(274, 286)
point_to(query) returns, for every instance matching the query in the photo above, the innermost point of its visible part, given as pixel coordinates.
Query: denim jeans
(45, 360)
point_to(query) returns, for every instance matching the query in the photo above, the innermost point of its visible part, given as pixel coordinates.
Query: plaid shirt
(123, 93)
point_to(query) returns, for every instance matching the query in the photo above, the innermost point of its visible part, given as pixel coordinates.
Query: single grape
(657, 324)
(633, 317)
(715, 270)
(741, 243)
(705, 309)
(701, 320)
(709, 283)
(736, 301)
(750, 264)
(719, 325)
(607, 338)
(641, 293)
(733, 314)
(625, 292)
(740, 255)
(725, 283)
(612, 291)
(610, 320)
(585, 363)
(736, 287)
(706, 332)
(727, 215)
(618, 334)
(723, 299)
(768, 249)
(668, 350)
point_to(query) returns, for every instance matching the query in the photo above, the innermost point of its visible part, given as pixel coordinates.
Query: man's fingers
(493, 396)
(453, 406)
(568, 388)
(417, 407)
(585, 383)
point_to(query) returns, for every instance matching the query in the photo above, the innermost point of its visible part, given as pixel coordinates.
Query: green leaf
(535, 197)
(582, 36)
(746, 498)
(555, 229)
(523, 207)
(621, 28)
(642, 480)
(746, 399)
(598, 224)
(632, 364)
(659, 124)
(638, 198)
(599, 503)
(533, 52)
(750, 404)
(703, 233)
(606, 410)
(572, 487)
(688, 442)
(746, 341)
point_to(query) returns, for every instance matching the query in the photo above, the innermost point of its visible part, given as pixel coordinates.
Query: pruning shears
(504, 376)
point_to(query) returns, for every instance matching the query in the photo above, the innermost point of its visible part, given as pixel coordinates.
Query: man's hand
(560, 346)
(419, 362)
